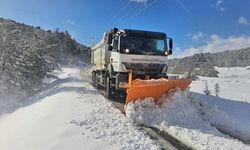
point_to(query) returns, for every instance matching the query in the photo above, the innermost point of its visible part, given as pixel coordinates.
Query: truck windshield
(145, 46)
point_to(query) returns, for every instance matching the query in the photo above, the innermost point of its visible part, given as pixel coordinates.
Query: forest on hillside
(203, 64)
(29, 54)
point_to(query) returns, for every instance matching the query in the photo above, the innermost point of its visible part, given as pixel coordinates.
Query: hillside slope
(29, 54)
(203, 64)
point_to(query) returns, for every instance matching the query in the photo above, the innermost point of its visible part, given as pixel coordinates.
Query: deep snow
(178, 115)
(189, 115)
(232, 108)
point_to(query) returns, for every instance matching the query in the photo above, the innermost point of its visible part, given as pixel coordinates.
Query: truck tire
(108, 92)
(94, 80)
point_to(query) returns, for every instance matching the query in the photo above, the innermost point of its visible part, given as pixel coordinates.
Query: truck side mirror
(170, 52)
(170, 44)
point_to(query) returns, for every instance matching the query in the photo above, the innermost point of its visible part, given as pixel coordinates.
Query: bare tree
(217, 89)
(206, 91)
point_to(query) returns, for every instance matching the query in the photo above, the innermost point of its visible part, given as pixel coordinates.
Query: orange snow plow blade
(155, 88)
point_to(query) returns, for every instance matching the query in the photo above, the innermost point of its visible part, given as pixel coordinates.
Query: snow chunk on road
(178, 115)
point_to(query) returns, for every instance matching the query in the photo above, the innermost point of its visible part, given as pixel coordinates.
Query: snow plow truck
(133, 63)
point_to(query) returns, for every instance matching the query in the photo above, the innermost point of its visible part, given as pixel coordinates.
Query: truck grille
(145, 68)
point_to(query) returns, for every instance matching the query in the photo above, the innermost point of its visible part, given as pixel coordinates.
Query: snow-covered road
(70, 114)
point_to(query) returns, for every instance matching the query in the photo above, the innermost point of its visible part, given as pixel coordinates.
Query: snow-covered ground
(189, 116)
(179, 115)
(234, 83)
(70, 114)
(233, 102)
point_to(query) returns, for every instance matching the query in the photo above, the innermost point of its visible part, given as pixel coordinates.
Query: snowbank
(178, 114)
(232, 108)
(228, 115)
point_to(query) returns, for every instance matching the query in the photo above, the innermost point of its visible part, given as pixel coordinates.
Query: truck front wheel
(108, 92)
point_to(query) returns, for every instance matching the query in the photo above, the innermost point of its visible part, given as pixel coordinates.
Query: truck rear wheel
(94, 80)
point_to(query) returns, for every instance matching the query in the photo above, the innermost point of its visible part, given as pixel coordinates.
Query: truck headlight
(126, 50)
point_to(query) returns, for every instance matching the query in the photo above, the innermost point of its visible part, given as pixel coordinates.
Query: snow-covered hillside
(234, 83)
(233, 102)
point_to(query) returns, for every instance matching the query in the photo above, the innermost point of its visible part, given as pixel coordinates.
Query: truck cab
(143, 53)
